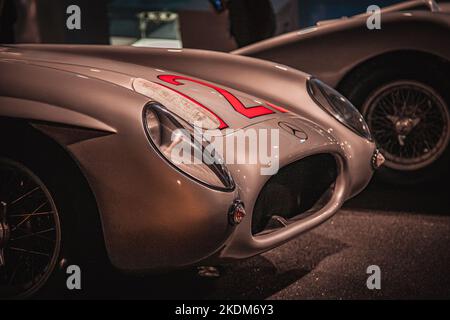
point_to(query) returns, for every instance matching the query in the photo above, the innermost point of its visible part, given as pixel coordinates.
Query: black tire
(368, 83)
(81, 241)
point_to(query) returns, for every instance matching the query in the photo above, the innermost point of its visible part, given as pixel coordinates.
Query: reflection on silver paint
(148, 222)
(309, 49)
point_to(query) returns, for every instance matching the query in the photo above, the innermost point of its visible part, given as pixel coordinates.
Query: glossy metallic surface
(408, 29)
(353, 43)
(377, 159)
(153, 216)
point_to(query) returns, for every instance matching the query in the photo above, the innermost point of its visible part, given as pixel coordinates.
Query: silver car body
(152, 216)
(332, 49)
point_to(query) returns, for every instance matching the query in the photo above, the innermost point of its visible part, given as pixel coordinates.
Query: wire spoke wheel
(30, 232)
(410, 123)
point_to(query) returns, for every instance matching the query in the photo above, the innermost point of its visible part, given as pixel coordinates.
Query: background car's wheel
(406, 105)
(48, 221)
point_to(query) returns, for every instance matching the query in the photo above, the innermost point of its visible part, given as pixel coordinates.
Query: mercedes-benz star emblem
(294, 130)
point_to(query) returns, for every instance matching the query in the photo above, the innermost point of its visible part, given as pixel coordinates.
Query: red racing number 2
(249, 112)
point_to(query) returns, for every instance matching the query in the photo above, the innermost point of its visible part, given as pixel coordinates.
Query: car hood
(172, 77)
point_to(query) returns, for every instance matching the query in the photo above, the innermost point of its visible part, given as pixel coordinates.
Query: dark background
(104, 18)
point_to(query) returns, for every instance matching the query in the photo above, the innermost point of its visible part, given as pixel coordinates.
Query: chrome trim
(377, 159)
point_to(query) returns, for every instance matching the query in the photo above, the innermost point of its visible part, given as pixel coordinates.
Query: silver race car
(90, 158)
(397, 76)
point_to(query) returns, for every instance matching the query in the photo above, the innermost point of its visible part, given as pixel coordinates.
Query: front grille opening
(295, 192)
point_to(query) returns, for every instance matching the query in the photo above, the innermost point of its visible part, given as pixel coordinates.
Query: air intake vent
(296, 191)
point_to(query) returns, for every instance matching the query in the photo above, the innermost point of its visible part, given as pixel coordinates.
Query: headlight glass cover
(339, 107)
(176, 103)
(170, 135)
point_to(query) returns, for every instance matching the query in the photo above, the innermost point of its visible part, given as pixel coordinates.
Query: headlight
(170, 134)
(177, 104)
(338, 106)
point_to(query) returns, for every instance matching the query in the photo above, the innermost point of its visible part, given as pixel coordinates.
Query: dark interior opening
(295, 190)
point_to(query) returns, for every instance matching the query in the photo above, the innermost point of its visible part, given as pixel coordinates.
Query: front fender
(353, 43)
